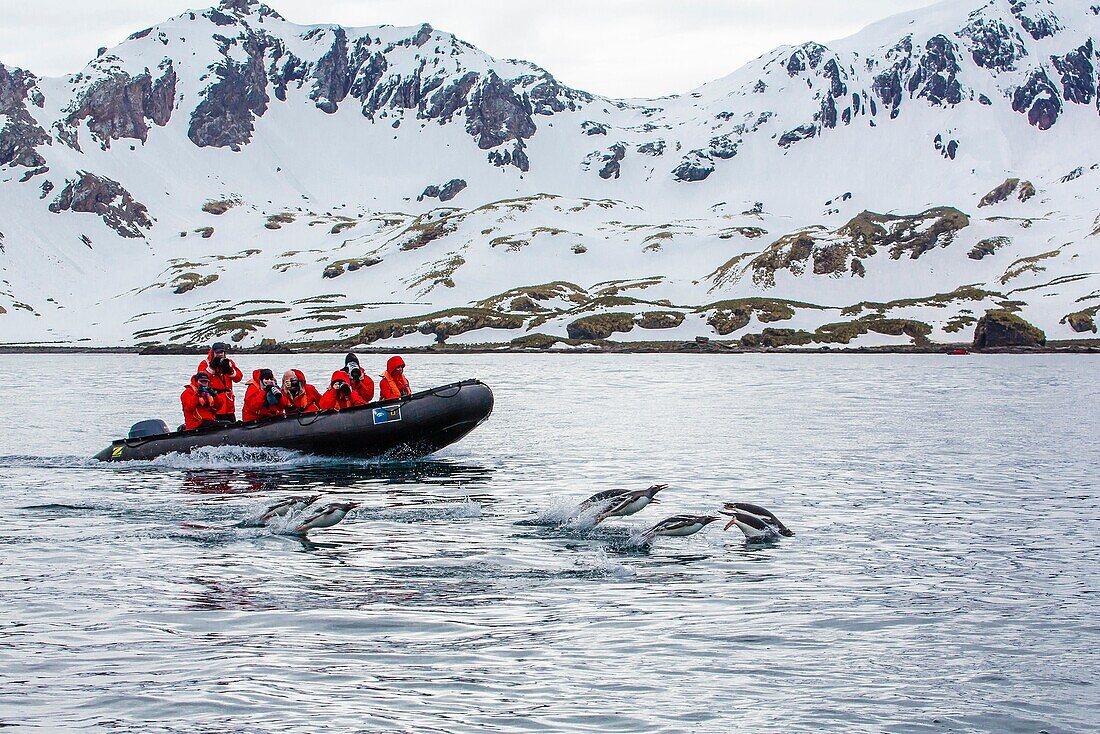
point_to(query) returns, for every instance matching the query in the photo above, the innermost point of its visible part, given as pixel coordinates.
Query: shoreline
(1082, 346)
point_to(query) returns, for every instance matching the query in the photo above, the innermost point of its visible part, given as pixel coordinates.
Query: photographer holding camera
(201, 405)
(223, 373)
(298, 395)
(340, 394)
(263, 398)
(361, 382)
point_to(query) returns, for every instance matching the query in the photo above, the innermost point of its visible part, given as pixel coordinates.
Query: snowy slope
(229, 174)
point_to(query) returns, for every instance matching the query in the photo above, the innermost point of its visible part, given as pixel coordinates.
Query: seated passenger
(340, 395)
(298, 395)
(263, 398)
(360, 380)
(223, 373)
(201, 405)
(393, 383)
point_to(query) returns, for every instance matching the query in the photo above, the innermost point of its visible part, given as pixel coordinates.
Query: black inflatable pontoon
(406, 428)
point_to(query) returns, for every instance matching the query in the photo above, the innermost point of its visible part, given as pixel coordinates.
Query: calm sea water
(944, 576)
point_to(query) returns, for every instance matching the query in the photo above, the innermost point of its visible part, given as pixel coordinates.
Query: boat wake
(207, 457)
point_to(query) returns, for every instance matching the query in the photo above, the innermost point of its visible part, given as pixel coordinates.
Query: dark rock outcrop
(935, 77)
(496, 114)
(1039, 99)
(1002, 328)
(119, 106)
(1038, 23)
(611, 160)
(446, 192)
(723, 146)
(999, 194)
(888, 84)
(994, 45)
(107, 199)
(20, 135)
(225, 115)
(332, 74)
(1078, 74)
(802, 132)
(987, 246)
(696, 166)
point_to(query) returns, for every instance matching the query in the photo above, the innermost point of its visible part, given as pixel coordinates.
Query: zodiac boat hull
(409, 427)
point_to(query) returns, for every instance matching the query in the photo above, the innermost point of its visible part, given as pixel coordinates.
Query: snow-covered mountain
(227, 173)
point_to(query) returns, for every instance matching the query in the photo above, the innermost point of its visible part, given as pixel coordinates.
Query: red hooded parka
(256, 404)
(223, 383)
(199, 407)
(393, 384)
(335, 400)
(307, 401)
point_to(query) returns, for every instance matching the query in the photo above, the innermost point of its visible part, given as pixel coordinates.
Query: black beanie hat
(266, 374)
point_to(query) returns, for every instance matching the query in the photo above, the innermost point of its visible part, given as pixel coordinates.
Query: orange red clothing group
(210, 397)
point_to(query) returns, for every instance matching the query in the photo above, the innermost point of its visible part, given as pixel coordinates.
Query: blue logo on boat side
(387, 415)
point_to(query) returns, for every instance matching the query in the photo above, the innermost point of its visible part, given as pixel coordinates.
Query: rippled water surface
(943, 577)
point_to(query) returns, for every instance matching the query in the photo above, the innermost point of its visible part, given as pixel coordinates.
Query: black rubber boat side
(407, 427)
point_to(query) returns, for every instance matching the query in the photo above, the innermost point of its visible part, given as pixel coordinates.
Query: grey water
(944, 574)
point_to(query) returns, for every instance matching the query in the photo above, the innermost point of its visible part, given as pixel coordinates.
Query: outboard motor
(152, 427)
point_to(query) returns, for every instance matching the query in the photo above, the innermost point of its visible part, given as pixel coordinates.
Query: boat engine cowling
(151, 427)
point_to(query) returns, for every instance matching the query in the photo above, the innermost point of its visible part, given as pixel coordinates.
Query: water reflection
(335, 477)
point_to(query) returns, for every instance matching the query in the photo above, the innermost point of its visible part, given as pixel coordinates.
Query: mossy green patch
(660, 319)
(600, 326)
(276, 221)
(220, 206)
(336, 269)
(1082, 321)
(189, 281)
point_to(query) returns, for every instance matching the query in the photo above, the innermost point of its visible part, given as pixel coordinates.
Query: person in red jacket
(298, 395)
(360, 380)
(201, 405)
(340, 395)
(223, 373)
(393, 383)
(263, 398)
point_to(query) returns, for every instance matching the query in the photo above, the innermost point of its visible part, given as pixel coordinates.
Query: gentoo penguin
(678, 526)
(629, 503)
(284, 507)
(598, 499)
(325, 517)
(764, 514)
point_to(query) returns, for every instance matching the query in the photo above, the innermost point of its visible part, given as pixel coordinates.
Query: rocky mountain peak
(248, 7)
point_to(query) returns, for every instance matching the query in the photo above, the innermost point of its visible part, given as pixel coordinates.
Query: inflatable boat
(408, 427)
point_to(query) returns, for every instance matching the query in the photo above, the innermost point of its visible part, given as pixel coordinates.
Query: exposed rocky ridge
(846, 249)
(119, 106)
(20, 135)
(105, 198)
(1002, 328)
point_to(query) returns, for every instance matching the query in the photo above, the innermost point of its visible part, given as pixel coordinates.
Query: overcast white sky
(619, 48)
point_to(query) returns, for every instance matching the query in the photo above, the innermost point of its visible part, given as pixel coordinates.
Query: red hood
(256, 376)
(394, 363)
(341, 376)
